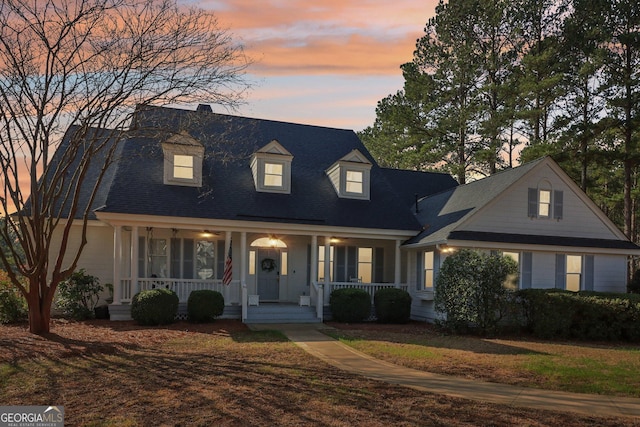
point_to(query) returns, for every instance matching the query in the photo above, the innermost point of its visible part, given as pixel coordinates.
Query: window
(273, 174)
(182, 167)
(321, 261)
(284, 263)
(354, 182)
(574, 273)
(544, 203)
(428, 269)
(252, 263)
(204, 259)
(365, 264)
(512, 280)
(157, 258)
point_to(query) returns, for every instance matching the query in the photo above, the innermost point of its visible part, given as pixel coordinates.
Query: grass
(225, 375)
(573, 367)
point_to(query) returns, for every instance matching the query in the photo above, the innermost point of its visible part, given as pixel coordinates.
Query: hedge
(155, 307)
(204, 305)
(583, 315)
(392, 305)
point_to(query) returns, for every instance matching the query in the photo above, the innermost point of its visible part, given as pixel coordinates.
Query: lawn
(575, 367)
(119, 374)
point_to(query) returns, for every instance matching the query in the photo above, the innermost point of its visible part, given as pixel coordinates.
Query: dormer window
(183, 156)
(544, 202)
(350, 176)
(271, 168)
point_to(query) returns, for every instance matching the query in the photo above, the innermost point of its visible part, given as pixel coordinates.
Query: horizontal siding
(610, 273)
(543, 271)
(508, 214)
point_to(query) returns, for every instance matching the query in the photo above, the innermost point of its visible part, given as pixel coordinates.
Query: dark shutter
(588, 272)
(142, 250)
(378, 265)
(341, 264)
(557, 204)
(187, 258)
(419, 270)
(527, 269)
(533, 202)
(220, 255)
(309, 278)
(352, 262)
(436, 265)
(561, 271)
(176, 254)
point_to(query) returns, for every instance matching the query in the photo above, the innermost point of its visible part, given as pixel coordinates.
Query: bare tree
(87, 64)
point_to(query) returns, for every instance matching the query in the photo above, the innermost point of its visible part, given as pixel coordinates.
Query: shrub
(583, 315)
(155, 307)
(633, 287)
(350, 305)
(78, 295)
(204, 305)
(470, 290)
(13, 307)
(392, 305)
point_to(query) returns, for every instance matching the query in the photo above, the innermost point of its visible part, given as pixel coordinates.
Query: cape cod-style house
(296, 211)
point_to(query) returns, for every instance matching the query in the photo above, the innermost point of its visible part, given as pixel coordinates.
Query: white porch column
(227, 243)
(327, 260)
(314, 258)
(117, 263)
(243, 257)
(398, 273)
(135, 254)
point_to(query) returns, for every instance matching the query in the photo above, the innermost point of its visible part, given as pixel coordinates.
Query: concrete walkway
(339, 355)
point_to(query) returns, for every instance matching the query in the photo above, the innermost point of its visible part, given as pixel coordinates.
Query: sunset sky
(323, 62)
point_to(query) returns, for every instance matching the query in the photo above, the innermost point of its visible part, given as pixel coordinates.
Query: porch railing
(370, 288)
(182, 287)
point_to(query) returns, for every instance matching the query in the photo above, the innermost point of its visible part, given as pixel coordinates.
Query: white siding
(97, 255)
(610, 273)
(508, 213)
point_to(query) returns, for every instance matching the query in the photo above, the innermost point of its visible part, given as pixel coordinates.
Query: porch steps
(281, 313)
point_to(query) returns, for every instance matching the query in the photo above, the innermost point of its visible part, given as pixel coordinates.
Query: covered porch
(280, 267)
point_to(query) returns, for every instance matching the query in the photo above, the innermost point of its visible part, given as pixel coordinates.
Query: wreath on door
(268, 264)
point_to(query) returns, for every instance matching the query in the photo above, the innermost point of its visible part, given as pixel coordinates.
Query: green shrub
(78, 295)
(204, 305)
(392, 305)
(633, 287)
(350, 305)
(470, 291)
(155, 307)
(13, 307)
(590, 316)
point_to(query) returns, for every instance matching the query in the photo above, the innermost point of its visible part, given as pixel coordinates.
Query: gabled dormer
(350, 176)
(271, 168)
(183, 156)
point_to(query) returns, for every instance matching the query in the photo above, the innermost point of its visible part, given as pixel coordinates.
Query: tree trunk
(39, 314)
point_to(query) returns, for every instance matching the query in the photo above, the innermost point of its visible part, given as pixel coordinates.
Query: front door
(268, 274)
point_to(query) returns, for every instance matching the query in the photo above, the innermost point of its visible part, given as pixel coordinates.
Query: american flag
(228, 269)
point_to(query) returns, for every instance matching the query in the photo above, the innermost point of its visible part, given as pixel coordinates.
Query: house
(303, 210)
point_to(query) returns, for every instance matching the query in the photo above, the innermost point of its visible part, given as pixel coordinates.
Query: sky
(323, 62)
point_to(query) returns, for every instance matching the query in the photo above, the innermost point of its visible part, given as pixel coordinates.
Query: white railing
(371, 288)
(182, 287)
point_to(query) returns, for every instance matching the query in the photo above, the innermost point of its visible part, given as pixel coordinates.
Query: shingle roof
(440, 213)
(409, 184)
(228, 190)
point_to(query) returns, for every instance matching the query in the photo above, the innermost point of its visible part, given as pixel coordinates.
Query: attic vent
(204, 108)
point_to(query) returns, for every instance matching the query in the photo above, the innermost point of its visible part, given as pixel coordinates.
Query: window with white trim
(512, 280)
(183, 158)
(273, 174)
(429, 269)
(271, 169)
(574, 273)
(354, 181)
(544, 203)
(365, 265)
(321, 263)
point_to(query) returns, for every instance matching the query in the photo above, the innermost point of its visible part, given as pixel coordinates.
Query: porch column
(314, 259)
(135, 254)
(398, 274)
(327, 260)
(243, 257)
(117, 260)
(227, 243)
